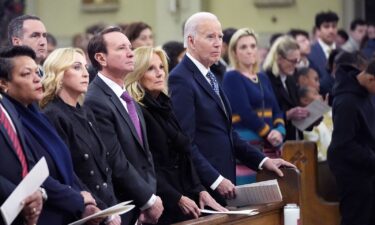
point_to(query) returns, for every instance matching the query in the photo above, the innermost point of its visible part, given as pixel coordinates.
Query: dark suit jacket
(131, 161)
(76, 127)
(10, 166)
(208, 123)
(64, 204)
(170, 148)
(287, 100)
(318, 62)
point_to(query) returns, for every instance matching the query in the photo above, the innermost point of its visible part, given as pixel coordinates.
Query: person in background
(220, 67)
(204, 113)
(51, 43)
(29, 31)
(307, 77)
(341, 38)
(358, 29)
(326, 23)
(16, 159)
(369, 46)
(351, 154)
(256, 114)
(280, 67)
(139, 34)
(65, 81)
(66, 201)
(175, 51)
(303, 40)
(178, 183)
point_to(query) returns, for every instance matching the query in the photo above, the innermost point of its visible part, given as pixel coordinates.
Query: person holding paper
(65, 81)
(21, 83)
(256, 114)
(178, 183)
(14, 165)
(280, 66)
(204, 113)
(351, 154)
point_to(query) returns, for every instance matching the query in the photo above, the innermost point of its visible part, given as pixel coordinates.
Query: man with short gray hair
(29, 31)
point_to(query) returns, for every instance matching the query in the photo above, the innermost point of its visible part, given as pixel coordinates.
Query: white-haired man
(204, 112)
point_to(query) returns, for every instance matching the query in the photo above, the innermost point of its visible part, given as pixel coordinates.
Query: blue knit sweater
(254, 106)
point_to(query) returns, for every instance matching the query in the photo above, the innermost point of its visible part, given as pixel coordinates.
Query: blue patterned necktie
(213, 82)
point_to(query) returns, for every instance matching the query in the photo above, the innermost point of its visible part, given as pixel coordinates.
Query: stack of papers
(256, 193)
(316, 110)
(118, 209)
(249, 212)
(30, 184)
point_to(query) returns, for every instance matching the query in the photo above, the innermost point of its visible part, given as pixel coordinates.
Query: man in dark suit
(29, 31)
(121, 123)
(12, 164)
(326, 24)
(204, 111)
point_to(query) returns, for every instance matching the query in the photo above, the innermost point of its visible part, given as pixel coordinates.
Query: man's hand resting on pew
(275, 164)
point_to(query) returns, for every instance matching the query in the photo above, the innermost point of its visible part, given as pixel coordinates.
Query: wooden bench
(269, 214)
(314, 209)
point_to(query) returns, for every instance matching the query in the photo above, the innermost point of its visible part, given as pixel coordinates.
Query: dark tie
(133, 114)
(215, 86)
(213, 82)
(15, 141)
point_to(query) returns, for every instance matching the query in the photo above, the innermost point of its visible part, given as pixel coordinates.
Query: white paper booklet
(256, 193)
(118, 209)
(249, 212)
(316, 110)
(30, 183)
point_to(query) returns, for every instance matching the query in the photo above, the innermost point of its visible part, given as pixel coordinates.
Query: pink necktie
(133, 114)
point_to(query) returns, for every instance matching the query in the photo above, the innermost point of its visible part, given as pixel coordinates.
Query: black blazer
(10, 166)
(287, 100)
(76, 127)
(131, 161)
(176, 175)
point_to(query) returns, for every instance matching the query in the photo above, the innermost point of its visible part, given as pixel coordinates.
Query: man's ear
(191, 41)
(16, 41)
(100, 57)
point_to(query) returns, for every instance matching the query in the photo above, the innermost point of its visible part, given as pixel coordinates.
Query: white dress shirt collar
(113, 85)
(200, 66)
(326, 48)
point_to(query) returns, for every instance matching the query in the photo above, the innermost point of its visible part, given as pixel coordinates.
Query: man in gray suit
(121, 124)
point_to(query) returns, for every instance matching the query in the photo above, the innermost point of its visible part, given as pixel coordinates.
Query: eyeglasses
(292, 61)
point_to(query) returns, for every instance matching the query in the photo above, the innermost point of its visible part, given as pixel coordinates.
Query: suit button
(92, 173)
(176, 166)
(106, 169)
(107, 153)
(69, 186)
(97, 187)
(86, 156)
(105, 185)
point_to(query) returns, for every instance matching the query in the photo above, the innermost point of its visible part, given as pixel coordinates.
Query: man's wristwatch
(44, 193)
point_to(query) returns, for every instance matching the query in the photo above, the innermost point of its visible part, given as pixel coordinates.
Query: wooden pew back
(314, 209)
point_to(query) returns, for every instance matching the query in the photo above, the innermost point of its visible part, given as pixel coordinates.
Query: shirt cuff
(260, 167)
(217, 182)
(149, 203)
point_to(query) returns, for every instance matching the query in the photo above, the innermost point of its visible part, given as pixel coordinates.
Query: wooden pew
(269, 214)
(314, 209)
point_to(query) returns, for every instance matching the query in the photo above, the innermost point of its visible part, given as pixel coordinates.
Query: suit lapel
(206, 86)
(15, 117)
(284, 93)
(120, 108)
